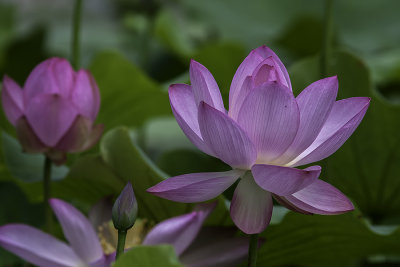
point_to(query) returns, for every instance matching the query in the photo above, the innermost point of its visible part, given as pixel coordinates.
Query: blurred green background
(136, 49)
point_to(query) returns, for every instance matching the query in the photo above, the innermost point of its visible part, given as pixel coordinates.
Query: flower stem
(327, 39)
(47, 194)
(253, 247)
(121, 243)
(75, 34)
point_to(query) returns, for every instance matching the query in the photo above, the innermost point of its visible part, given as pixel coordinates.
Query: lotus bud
(125, 209)
(54, 112)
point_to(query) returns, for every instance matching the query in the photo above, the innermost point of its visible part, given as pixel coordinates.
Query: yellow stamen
(108, 235)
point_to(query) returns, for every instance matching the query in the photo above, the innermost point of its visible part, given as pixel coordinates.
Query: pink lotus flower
(195, 246)
(42, 249)
(55, 111)
(266, 133)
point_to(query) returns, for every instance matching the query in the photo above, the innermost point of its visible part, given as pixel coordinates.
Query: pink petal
(179, 231)
(40, 80)
(284, 202)
(268, 71)
(195, 187)
(52, 76)
(64, 76)
(284, 181)
(270, 116)
(37, 247)
(78, 231)
(12, 100)
(343, 120)
(216, 246)
(76, 136)
(225, 138)
(185, 111)
(50, 117)
(245, 69)
(315, 104)
(80, 136)
(204, 86)
(251, 206)
(242, 94)
(94, 137)
(28, 139)
(266, 52)
(321, 198)
(264, 73)
(86, 95)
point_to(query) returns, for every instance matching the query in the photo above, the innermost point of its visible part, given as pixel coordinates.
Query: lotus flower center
(108, 235)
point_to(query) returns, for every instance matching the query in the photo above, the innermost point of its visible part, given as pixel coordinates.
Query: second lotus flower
(55, 111)
(266, 133)
(195, 245)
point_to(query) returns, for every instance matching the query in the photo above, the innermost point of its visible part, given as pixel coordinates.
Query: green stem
(327, 39)
(253, 247)
(75, 34)
(47, 194)
(121, 243)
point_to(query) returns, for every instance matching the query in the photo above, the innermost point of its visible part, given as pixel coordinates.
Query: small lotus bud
(125, 209)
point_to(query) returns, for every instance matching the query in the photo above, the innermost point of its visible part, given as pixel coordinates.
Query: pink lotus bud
(55, 111)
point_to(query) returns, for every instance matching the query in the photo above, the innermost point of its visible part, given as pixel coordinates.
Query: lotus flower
(266, 133)
(196, 246)
(42, 249)
(55, 111)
